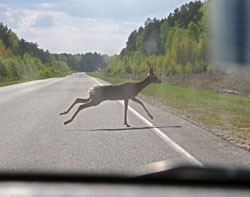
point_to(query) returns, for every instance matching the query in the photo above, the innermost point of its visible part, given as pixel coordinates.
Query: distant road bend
(34, 138)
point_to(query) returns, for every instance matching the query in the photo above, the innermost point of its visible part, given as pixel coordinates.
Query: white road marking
(191, 159)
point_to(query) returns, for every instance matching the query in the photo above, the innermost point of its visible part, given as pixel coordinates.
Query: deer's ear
(149, 66)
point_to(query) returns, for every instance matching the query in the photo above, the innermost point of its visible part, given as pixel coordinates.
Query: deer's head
(153, 78)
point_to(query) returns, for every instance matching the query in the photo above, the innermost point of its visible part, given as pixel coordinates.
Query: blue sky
(81, 26)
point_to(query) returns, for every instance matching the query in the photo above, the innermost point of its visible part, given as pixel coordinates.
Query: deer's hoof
(67, 122)
(151, 117)
(126, 124)
(62, 113)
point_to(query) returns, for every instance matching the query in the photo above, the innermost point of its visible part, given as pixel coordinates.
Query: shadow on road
(134, 128)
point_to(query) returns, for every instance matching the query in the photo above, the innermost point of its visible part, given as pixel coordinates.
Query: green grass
(13, 82)
(110, 79)
(221, 110)
(225, 111)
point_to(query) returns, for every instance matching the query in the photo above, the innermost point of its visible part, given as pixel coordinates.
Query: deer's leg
(141, 103)
(125, 112)
(78, 100)
(85, 105)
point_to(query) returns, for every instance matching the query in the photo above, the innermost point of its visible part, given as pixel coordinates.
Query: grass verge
(14, 82)
(225, 111)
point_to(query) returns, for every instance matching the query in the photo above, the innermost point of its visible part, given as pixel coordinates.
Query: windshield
(119, 87)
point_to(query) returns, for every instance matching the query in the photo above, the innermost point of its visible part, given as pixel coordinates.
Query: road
(34, 138)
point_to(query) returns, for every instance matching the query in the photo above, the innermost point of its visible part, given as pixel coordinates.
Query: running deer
(124, 91)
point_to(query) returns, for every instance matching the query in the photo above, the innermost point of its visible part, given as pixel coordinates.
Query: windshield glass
(180, 92)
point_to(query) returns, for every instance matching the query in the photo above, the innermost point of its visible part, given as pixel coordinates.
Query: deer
(124, 91)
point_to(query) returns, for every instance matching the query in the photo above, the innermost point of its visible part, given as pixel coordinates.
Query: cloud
(80, 26)
(59, 32)
(10, 16)
(43, 21)
(84, 35)
(45, 6)
(119, 9)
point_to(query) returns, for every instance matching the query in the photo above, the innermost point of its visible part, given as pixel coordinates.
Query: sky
(81, 26)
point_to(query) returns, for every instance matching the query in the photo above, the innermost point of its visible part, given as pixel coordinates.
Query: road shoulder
(235, 138)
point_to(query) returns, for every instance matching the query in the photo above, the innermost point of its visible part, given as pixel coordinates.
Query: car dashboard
(181, 181)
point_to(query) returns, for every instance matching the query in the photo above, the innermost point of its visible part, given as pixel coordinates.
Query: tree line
(22, 60)
(176, 44)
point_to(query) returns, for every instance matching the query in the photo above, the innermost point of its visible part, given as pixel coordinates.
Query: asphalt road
(34, 138)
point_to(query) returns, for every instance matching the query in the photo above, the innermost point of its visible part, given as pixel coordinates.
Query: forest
(176, 44)
(21, 60)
